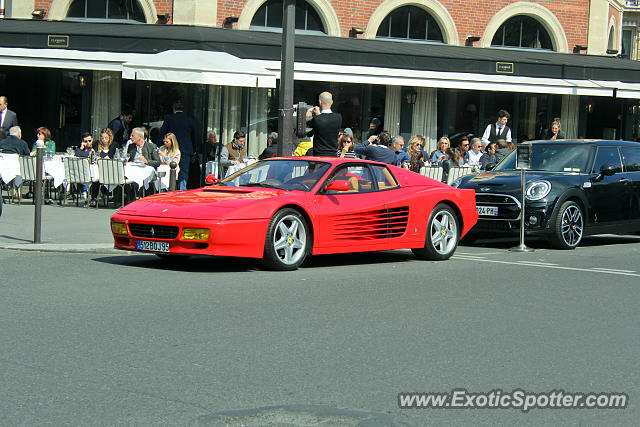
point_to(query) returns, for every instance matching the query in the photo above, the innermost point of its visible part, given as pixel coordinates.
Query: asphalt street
(103, 339)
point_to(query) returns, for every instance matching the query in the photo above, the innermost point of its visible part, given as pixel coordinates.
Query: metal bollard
(172, 176)
(37, 193)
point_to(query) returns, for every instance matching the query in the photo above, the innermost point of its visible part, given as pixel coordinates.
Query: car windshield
(283, 174)
(553, 157)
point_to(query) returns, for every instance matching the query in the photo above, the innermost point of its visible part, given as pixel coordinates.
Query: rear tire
(287, 242)
(569, 226)
(442, 235)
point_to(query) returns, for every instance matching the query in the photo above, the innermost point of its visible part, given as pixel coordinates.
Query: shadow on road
(540, 243)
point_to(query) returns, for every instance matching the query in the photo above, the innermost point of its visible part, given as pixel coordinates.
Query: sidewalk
(63, 229)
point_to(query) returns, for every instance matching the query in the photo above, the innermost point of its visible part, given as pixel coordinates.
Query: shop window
(410, 23)
(522, 32)
(269, 15)
(128, 10)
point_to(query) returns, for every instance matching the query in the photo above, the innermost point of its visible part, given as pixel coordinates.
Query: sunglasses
(87, 140)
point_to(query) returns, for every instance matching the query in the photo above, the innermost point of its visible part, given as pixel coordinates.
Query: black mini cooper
(574, 188)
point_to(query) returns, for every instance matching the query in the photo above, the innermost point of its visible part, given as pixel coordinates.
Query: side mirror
(607, 170)
(338, 185)
(211, 179)
(490, 166)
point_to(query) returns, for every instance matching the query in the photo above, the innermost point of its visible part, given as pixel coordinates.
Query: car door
(366, 214)
(609, 196)
(631, 163)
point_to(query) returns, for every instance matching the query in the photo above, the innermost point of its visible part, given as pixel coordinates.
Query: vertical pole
(221, 132)
(172, 176)
(285, 122)
(37, 193)
(522, 247)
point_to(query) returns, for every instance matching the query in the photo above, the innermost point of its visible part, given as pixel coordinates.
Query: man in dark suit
(271, 150)
(13, 144)
(141, 150)
(120, 127)
(184, 128)
(325, 126)
(8, 118)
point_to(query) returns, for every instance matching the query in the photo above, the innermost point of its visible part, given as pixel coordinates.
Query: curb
(68, 248)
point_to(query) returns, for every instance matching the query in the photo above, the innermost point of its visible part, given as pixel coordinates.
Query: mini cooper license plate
(487, 210)
(148, 245)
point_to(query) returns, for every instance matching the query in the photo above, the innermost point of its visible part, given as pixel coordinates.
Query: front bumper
(537, 216)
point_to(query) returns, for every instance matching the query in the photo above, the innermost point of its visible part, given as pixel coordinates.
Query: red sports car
(283, 209)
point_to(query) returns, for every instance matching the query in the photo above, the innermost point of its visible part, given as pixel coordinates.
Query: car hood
(506, 182)
(203, 203)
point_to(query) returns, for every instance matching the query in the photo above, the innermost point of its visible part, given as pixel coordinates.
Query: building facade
(424, 67)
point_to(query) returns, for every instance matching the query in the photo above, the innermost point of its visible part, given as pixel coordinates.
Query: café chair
(110, 176)
(458, 172)
(28, 173)
(77, 175)
(433, 172)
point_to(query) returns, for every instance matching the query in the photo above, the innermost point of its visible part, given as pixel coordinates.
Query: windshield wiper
(260, 184)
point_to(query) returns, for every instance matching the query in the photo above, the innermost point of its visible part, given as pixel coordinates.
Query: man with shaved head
(325, 126)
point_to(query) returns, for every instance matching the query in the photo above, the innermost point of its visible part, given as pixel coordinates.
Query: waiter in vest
(498, 130)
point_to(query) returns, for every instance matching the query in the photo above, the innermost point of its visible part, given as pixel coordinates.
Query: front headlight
(538, 190)
(195, 234)
(456, 183)
(119, 228)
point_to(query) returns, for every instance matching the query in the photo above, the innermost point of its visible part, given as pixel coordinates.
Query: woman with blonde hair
(438, 155)
(416, 143)
(170, 151)
(106, 149)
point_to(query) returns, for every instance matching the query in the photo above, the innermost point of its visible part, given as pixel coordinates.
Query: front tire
(287, 241)
(569, 226)
(442, 235)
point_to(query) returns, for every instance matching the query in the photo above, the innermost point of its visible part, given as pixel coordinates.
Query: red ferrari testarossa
(283, 209)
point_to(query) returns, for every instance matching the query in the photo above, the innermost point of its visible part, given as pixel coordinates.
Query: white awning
(61, 58)
(439, 79)
(196, 66)
(181, 66)
(623, 90)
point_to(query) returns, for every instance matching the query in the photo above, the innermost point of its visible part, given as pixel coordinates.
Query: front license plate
(487, 210)
(147, 245)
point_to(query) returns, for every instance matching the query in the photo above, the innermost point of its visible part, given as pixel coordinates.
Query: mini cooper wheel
(442, 235)
(287, 241)
(569, 226)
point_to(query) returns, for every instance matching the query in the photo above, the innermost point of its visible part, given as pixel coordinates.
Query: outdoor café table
(9, 167)
(54, 167)
(163, 182)
(235, 168)
(140, 173)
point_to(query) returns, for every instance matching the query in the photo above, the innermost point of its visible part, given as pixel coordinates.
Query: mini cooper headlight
(195, 234)
(119, 228)
(456, 183)
(538, 190)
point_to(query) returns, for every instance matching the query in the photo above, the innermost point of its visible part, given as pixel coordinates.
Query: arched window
(522, 32)
(269, 15)
(128, 10)
(410, 23)
(611, 44)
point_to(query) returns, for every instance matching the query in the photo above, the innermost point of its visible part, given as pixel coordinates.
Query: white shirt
(2, 114)
(487, 132)
(474, 159)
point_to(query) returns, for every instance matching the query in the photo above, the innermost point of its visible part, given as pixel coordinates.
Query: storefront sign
(58, 41)
(504, 67)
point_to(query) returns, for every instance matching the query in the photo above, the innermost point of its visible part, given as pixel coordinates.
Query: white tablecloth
(139, 173)
(9, 167)
(55, 169)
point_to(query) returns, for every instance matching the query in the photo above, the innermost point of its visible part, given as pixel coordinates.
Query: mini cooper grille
(508, 206)
(154, 231)
(378, 224)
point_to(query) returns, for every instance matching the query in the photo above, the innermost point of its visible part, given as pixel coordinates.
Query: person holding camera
(377, 148)
(325, 126)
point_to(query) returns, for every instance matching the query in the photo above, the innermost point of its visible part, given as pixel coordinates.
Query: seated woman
(44, 135)
(452, 159)
(438, 155)
(170, 151)
(417, 161)
(106, 148)
(345, 147)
